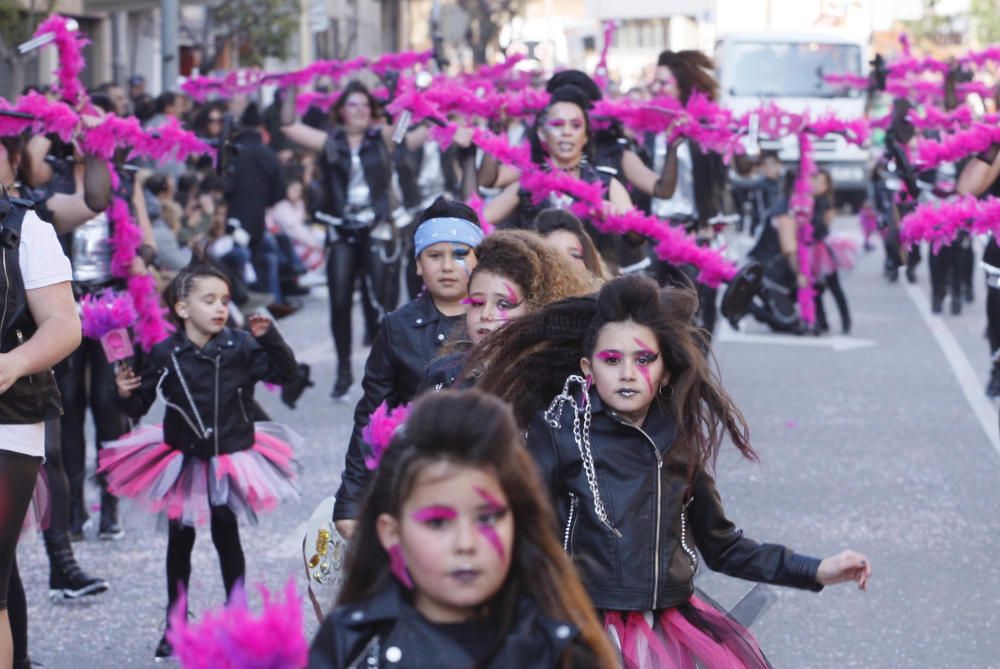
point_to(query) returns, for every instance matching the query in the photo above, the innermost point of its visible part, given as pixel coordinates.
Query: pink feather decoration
(601, 71)
(801, 205)
(939, 223)
(110, 311)
(150, 327)
(855, 81)
(904, 44)
(69, 44)
(400, 61)
(951, 148)
(479, 207)
(233, 637)
(382, 426)
(51, 116)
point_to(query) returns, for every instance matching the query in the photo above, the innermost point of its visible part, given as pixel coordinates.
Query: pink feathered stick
(234, 637)
(802, 205)
(69, 43)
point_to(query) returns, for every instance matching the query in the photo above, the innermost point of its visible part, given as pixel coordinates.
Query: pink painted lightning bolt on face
(495, 509)
(627, 369)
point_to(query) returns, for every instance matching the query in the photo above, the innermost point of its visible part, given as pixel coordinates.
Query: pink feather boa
(382, 426)
(69, 44)
(601, 71)
(939, 223)
(51, 116)
(234, 637)
(110, 311)
(802, 205)
(150, 326)
(951, 148)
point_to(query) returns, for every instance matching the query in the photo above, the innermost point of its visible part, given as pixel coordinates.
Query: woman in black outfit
(357, 172)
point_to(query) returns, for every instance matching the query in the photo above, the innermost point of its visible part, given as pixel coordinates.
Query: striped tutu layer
(832, 254)
(141, 467)
(694, 635)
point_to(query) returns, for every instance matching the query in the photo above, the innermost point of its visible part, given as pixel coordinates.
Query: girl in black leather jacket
(627, 448)
(454, 564)
(208, 461)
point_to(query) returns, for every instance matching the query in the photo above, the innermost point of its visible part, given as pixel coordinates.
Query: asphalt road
(869, 442)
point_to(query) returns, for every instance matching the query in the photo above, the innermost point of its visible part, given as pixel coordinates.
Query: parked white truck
(757, 68)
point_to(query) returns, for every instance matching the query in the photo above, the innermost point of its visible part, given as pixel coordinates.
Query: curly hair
(553, 219)
(472, 429)
(693, 71)
(543, 273)
(529, 363)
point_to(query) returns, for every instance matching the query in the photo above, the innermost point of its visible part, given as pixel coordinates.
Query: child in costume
(454, 563)
(208, 462)
(627, 449)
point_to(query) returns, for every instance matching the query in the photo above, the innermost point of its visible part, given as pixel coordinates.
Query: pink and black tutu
(40, 508)
(690, 636)
(832, 254)
(163, 480)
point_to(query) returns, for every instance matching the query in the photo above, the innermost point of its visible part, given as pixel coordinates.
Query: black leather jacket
(642, 563)
(220, 378)
(407, 341)
(34, 398)
(335, 162)
(386, 627)
(253, 183)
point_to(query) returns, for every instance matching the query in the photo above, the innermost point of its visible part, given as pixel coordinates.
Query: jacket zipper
(218, 359)
(568, 534)
(6, 294)
(243, 409)
(20, 342)
(659, 512)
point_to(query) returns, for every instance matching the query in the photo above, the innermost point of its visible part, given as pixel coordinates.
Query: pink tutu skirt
(693, 635)
(39, 509)
(832, 254)
(141, 467)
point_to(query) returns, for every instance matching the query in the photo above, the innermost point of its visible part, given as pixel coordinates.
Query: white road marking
(839, 343)
(984, 410)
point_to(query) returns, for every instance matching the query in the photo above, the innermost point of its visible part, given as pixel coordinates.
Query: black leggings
(57, 479)
(180, 542)
(832, 281)
(18, 474)
(17, 612)
(101, 397)
(355, 257)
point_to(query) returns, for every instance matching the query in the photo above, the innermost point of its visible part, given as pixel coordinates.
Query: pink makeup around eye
(488, 531)
(511, 293)
(609, 355)
(644, 369)
(432, 513)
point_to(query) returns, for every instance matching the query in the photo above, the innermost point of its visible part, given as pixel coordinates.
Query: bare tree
(16, 26)
(257, 29)
(486, 18)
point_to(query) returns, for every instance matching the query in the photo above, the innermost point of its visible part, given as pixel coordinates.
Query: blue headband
(454, 230)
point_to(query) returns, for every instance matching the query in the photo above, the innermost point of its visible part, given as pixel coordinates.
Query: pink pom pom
(234, 638)
(380, 429)
(110, 311)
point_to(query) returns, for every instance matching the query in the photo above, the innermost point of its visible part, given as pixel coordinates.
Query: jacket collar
(424, 311)
(226, 339)
(659, 423)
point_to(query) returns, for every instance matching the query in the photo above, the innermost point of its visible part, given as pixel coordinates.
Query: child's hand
(844, 567)
(127, 381)
(259, 325)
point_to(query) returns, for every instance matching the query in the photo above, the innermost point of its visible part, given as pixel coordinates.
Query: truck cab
(787, 69)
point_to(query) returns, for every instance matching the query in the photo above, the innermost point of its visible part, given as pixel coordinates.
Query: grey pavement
(874, 448)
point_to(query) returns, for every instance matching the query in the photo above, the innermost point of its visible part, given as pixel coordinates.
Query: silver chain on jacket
(187, 393)
(581, 435)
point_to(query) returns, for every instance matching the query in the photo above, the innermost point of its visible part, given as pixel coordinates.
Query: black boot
(67, 581)
(77, 517)
(164, 651)
(344, 382)
(110, 529)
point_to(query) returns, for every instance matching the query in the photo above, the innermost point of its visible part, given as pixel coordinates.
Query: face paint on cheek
(644, 369)
(397, 565)
(489, 531)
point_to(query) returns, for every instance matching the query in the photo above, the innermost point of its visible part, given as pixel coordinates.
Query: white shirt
(42, 263)
(681, 204)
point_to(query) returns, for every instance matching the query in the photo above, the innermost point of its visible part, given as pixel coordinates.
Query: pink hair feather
(382, 426)
(110, 311)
